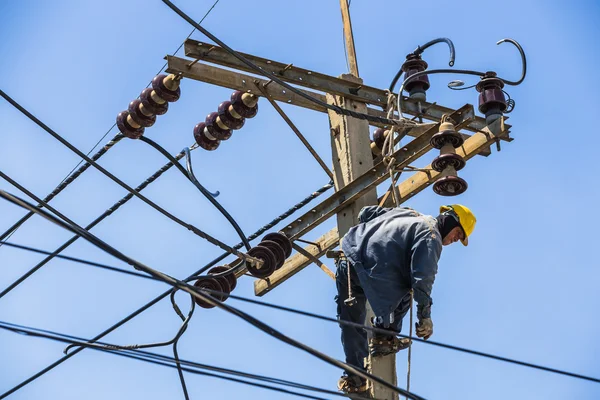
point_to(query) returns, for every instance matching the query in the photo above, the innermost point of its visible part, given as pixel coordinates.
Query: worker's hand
(424, 328)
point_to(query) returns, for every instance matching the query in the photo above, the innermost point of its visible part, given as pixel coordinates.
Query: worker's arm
(425, 255)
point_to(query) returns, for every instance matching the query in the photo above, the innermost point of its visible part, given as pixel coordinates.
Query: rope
(410, 333)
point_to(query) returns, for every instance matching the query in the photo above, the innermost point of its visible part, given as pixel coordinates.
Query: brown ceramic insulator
(158, 84)
(225, 288)
(269, 262)
(443, 161)
(411, 66)
(277, 250)
(240, 107)
(450, 186)
(135, 112)
(151, 104)
(491, 95)
(282, 240)
(438, 140)
(207, 283)
(202, 140)
(213, 128)
(126, 128)
(228, 118)
(230, 276)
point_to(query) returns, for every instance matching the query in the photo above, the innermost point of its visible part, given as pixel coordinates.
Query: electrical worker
(390, 252)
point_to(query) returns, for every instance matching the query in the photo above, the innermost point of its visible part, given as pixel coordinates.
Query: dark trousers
(354, 339)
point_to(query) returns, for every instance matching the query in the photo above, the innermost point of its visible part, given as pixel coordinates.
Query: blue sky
(526, 287)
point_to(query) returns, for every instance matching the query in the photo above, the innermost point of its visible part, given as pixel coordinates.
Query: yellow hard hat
(466, 219)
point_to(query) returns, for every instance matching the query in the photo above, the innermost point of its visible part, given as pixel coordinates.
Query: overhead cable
(166, 361)
(164, 212)
(70, 177)
(162, 295)
(209, 196)
(68, 224)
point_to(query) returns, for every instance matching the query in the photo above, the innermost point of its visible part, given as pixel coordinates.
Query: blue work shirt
(392, 250)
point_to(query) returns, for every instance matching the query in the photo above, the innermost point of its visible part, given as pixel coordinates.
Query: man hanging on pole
(389, 253)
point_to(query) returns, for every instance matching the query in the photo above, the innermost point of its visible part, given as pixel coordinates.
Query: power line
(68, 224)
(166, 293)
(329, 319)
(118, 181)
(77, 260)
(325, 318)
(159, 359)
(70, 178)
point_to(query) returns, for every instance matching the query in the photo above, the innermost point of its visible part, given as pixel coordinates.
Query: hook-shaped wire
(523, 62)
(190, 175)
(188, 166)
(419, 50)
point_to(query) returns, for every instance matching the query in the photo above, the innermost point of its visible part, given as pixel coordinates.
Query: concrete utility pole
(351, 150)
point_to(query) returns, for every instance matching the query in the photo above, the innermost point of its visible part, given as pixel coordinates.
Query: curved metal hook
(188, 166)
(523, 62)
(420, 49)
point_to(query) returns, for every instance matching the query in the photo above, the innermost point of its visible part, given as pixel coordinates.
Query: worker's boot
(352, 384)
(383, 345)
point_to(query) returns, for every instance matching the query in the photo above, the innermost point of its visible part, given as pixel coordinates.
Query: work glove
(424, 328)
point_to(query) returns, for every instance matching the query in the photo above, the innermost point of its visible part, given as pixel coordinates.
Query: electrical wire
(166, 293)
(68, 224)
(428, 342)
(159, 359)
(70, 178)
(95, 222)
(164, 212)
(192, 178)
(275, 78)
(65, 182)
(77, 260)
(325, 318)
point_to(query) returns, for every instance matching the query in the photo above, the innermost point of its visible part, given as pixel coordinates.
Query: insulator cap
(232, 280)
(269, 262)
(282, 239)
(277, 249)
(163, 91)
(450, 186)
(438, 140)
(202, 140)
(214, 129)
(411, 66)
(442, 161)
(207, 283)
(138, 116)
(227, 118)
(491, 96)
(240, 107)
(151, 105)
(126, 129)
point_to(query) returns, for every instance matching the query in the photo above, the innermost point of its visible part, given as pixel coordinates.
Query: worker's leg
(354, 340)
(383, 344)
